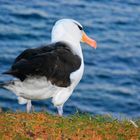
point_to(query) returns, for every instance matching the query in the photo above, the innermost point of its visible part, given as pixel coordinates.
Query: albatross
(53, 70)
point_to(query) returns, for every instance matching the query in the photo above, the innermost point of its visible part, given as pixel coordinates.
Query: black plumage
(56, 61)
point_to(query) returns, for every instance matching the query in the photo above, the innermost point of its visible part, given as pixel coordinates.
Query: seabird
(53, 70)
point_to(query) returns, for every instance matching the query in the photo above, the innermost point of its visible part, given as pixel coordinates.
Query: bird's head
(71, 31)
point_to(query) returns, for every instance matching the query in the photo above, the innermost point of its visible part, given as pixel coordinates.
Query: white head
(70, 31)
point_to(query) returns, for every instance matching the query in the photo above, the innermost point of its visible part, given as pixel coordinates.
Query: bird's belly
(35, 89)
(38, 94)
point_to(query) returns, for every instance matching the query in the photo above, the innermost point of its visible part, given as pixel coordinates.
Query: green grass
(43, 126)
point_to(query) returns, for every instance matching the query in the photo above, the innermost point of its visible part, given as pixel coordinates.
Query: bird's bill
(88, 40)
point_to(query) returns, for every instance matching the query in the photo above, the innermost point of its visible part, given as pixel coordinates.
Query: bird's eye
(80, 28)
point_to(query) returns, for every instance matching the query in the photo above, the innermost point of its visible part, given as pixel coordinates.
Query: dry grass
(42, 126)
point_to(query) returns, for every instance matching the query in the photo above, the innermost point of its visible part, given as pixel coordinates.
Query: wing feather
(55, 61)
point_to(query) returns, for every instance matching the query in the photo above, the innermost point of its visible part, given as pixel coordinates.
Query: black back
(56, 61)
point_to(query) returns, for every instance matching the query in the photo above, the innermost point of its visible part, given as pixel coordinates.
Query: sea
(111, 81)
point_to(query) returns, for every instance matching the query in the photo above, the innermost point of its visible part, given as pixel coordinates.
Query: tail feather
(2, 85)
(10, 72)
(5, 84)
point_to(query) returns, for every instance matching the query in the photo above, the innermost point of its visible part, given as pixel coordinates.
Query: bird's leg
(28, 106)
(60, 110)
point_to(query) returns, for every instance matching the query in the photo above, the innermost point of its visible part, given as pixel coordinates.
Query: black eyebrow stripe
(81, 28)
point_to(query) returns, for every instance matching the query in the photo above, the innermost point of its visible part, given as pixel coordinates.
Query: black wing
(55, 61)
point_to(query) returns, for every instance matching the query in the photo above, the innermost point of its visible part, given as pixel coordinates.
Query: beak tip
(95, 45)
(89, 41)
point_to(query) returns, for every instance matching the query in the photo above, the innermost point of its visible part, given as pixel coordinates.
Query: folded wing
(55, 61)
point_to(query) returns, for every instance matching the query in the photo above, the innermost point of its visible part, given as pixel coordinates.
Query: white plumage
(39, 88)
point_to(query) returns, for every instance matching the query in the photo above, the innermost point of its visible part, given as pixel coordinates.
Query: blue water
(111, 81)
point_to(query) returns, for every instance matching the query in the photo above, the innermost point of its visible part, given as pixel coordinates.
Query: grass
(43, 126)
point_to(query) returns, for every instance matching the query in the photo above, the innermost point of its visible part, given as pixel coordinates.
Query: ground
(43, 126)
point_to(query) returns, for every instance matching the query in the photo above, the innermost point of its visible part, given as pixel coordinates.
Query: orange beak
(88, 40)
